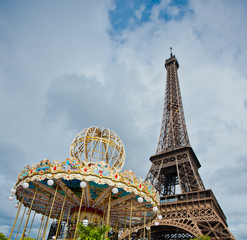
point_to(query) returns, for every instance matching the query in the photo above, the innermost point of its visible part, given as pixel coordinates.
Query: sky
(69, 65)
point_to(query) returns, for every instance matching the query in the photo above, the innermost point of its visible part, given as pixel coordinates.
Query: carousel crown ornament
(87, 187)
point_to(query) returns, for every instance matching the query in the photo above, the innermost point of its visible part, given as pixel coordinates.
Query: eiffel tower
(188, 208)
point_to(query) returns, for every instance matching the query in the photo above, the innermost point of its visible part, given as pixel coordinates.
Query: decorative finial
(171, 51)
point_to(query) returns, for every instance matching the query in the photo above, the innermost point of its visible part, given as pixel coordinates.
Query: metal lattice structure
(173, 133)
(185, 203)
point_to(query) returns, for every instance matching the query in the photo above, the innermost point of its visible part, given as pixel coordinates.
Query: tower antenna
(171, 51)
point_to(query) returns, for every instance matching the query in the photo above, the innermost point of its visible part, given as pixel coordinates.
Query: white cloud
(5, 229)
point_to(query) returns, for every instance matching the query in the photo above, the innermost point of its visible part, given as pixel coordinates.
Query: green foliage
(2, 237)
(201, 238)
(91, 232)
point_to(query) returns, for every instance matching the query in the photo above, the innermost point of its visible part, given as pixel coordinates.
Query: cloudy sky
(68, 65)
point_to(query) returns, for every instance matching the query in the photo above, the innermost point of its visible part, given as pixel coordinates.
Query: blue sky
(65, 66)
(133, 14)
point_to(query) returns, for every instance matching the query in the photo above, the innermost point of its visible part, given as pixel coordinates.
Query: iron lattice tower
(188, 208)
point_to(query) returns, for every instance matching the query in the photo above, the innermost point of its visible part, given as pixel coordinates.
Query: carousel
(88, 188)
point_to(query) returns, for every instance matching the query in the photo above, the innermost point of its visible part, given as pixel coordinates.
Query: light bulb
(11, 198)
(83, 184)
(115, 190)
(159, 217)
(25, 185)
(155, 209)
(50, 182)
(140, 199)
(13, 190)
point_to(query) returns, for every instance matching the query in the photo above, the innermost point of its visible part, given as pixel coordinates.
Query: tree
(201, 238)
(2, 237)
(91, 232)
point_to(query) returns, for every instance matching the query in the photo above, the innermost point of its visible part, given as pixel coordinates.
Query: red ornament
(100, 171)
(31, 171)
(85, 169)
(69, 171)
(55, 168)
(140, 186)
(116, 176)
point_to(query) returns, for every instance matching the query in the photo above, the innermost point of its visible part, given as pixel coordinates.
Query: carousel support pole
(116, 226)
(61, 214)
(104, 218)
(82, 195)
(131, 203)
(42, 222)
(108, 214)
(31, 224)
(144, 234)
(125, 222)
(29, 212)
(47, 221)
(108, 211)
(17, 214)
(20, 223)
(67, 221)
(62, 217)
(43, 228)
(95, 212)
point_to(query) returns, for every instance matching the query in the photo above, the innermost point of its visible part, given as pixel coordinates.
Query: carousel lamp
(136, 230)
(156, 223)
(54, 237)
(25, 185)
(16, 205)
(83, 184)
(155, 209)
(11, 198)
(147, 227)
(140, 199)
(50, 182)
(160, 217)
(13, 190)
(114, 190)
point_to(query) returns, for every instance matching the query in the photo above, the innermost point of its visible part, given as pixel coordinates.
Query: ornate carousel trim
(98, 172)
